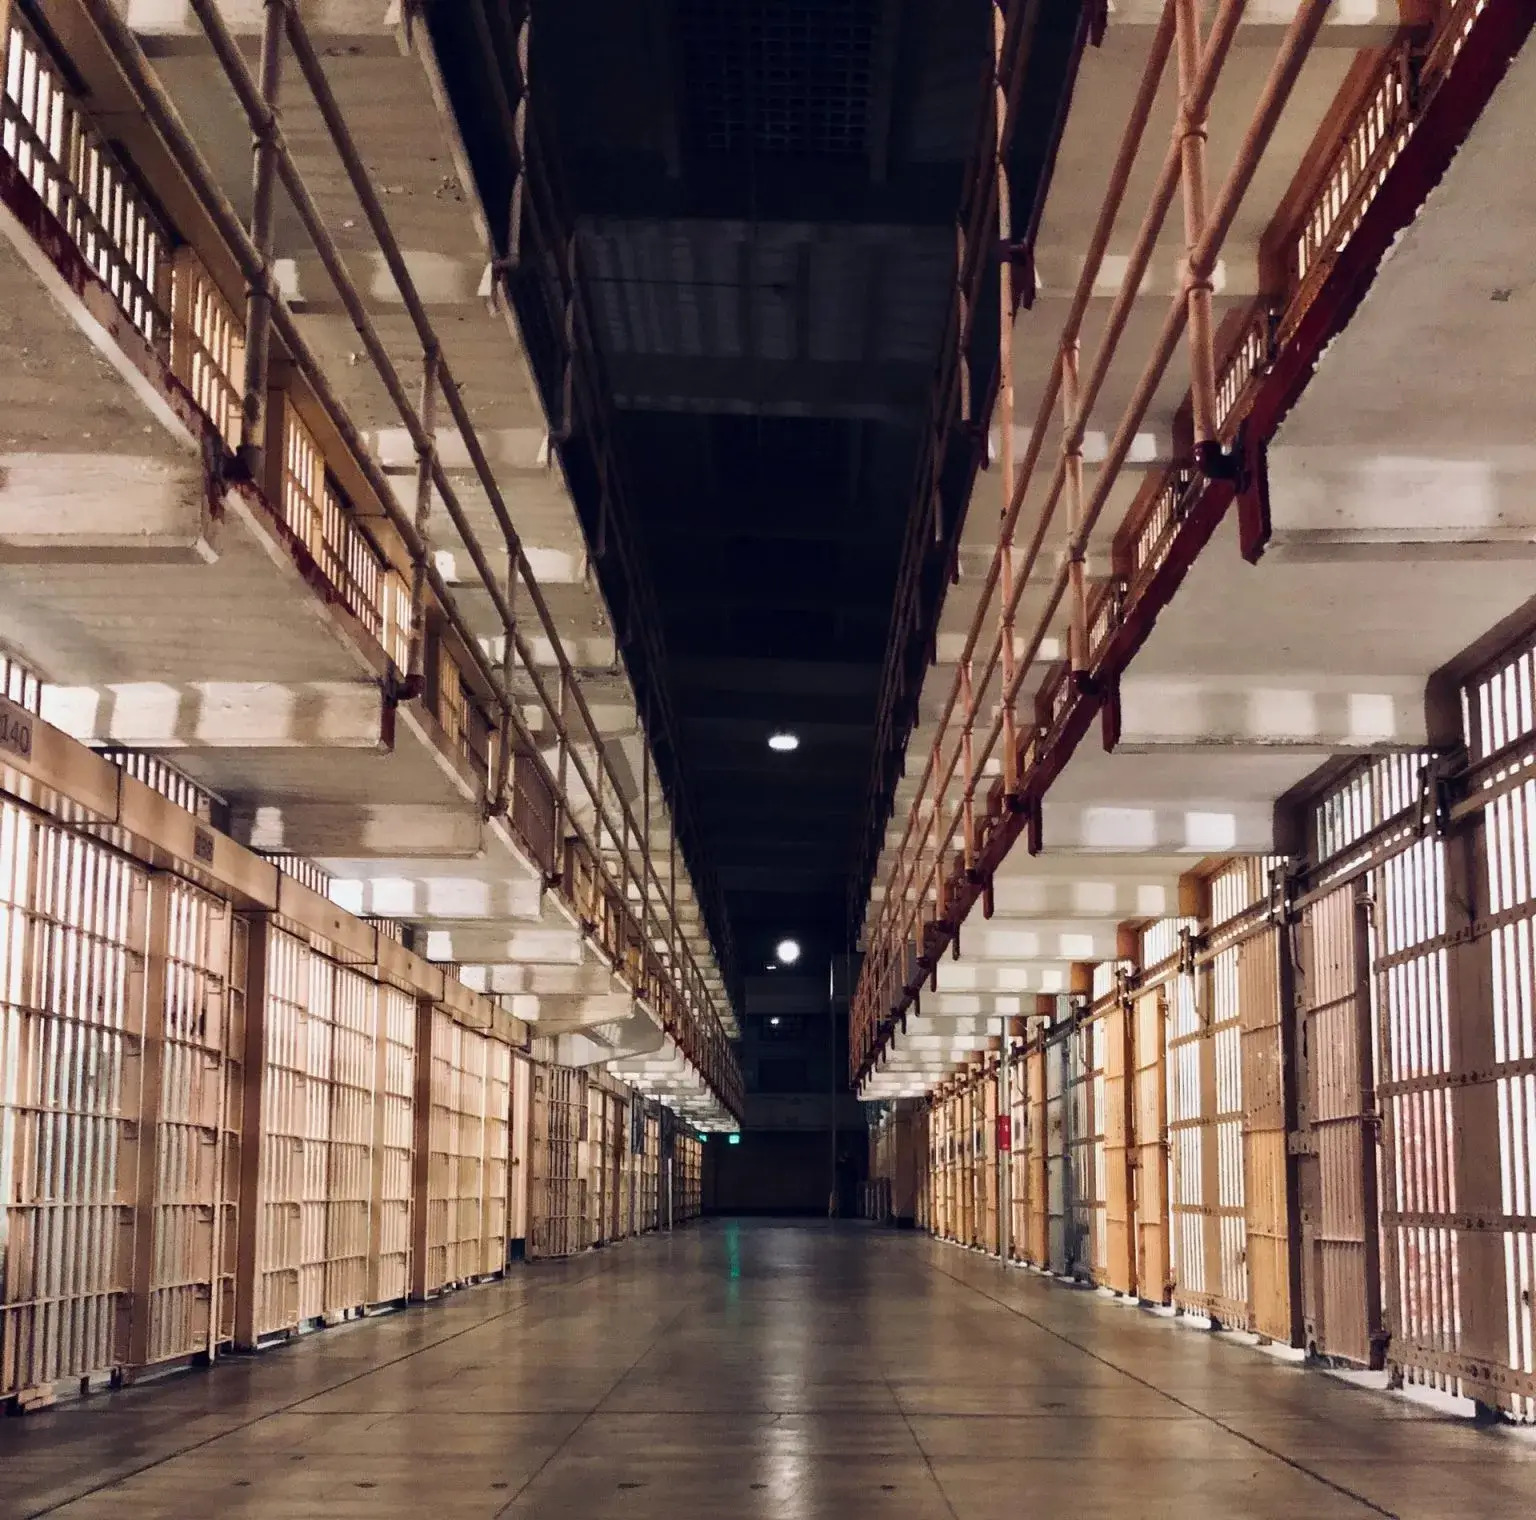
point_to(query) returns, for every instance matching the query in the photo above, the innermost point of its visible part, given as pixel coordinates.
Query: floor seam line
(1103, 1361)
(293, 1405)
(586, 1419)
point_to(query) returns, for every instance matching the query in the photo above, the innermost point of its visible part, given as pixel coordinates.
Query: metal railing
(221, 359)
(79, 179)
(951, 819)
(956, 401)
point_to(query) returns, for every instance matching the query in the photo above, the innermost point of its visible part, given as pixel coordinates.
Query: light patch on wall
(349, 895)
(1153, 901)
(268, 831)
(1010, 944)
(457, 897)
(1077, 947)
(1279, 713)
(394, 897)
(72, 708)
(1372, 717)
(1210, 831)
(439, 945)
(1094, 896)
(1105, 828)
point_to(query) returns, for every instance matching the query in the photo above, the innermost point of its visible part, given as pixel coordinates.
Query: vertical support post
(258, 312)
(1077, 637)
(232, 938)
(1484, 1341)
(249, 1284)
(562, 774)
(520, 142)
(568, 383)
(373, 1290)
(149, 996)
(968, 762)
(1005, 1157)
(1005, 387)
(1197, 283)
(497, 803)
(421, 1151)
(645, 842)
(426, 458)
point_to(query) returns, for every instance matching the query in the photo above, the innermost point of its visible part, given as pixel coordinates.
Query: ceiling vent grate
(780, 77)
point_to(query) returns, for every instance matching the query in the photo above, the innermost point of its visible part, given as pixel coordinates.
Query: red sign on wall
(1004, 1132)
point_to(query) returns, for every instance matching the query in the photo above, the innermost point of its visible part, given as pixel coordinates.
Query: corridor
(762, 1370)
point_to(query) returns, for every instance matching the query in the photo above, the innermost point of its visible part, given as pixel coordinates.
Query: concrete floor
(761, 1370)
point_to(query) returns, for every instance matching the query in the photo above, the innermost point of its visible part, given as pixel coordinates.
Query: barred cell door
(1116, 1263)
(1149, 1054)
(1018, 1159)
(1058, 1181)
(1337, 1123)
(1084, 1106)
(1265, 1160)
(1037, 1238)
(986, 1113)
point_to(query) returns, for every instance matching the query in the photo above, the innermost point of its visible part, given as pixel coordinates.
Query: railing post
(1005, 388)
(1077, 637)
(418, 1282)
(258, 319)
(497, 804)
(1193, 112)
(520, 141)
(250, 1279)
(426, 460)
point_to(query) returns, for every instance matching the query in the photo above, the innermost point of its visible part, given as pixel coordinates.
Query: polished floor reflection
(761, 1372)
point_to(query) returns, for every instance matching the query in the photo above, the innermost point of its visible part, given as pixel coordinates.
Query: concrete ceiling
(763, 199)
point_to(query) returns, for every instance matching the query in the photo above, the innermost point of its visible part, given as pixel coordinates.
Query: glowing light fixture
(788, 951)
(774, 1021)
(783, 743)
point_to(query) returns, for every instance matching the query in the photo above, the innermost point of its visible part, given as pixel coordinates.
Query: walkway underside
(767, 1370)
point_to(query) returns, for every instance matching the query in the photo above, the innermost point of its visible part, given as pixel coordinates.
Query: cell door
(1058, 1181)
(1037, 1169)
(1337, 1120)
(1149, 1054)
(1083, 1145)
(1265, 1159)
(986, 1114)
(1115, 1266)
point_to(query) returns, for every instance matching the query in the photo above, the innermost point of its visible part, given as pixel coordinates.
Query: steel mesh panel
(789, 77)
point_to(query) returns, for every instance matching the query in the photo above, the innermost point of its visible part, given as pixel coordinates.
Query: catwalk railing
(229, 1111)
(203, 300)
(1306, 1107)
(997, 747)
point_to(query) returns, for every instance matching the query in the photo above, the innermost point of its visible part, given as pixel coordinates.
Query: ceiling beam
(754, 386)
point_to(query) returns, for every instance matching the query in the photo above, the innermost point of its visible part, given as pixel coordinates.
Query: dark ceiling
(763, 197)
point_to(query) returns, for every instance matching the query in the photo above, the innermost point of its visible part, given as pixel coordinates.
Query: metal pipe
(1005, 394)
(1125, 160)
(164, 116)
(258, 310)
(314, 72)
(1005, 1158)
(426, 455)
(1191, 134)
(1206, 248)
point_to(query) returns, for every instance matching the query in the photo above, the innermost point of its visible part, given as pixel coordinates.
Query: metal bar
(258, 319)
(426, 456)
(164, 116)
(1206, 241)
(1005, 393)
